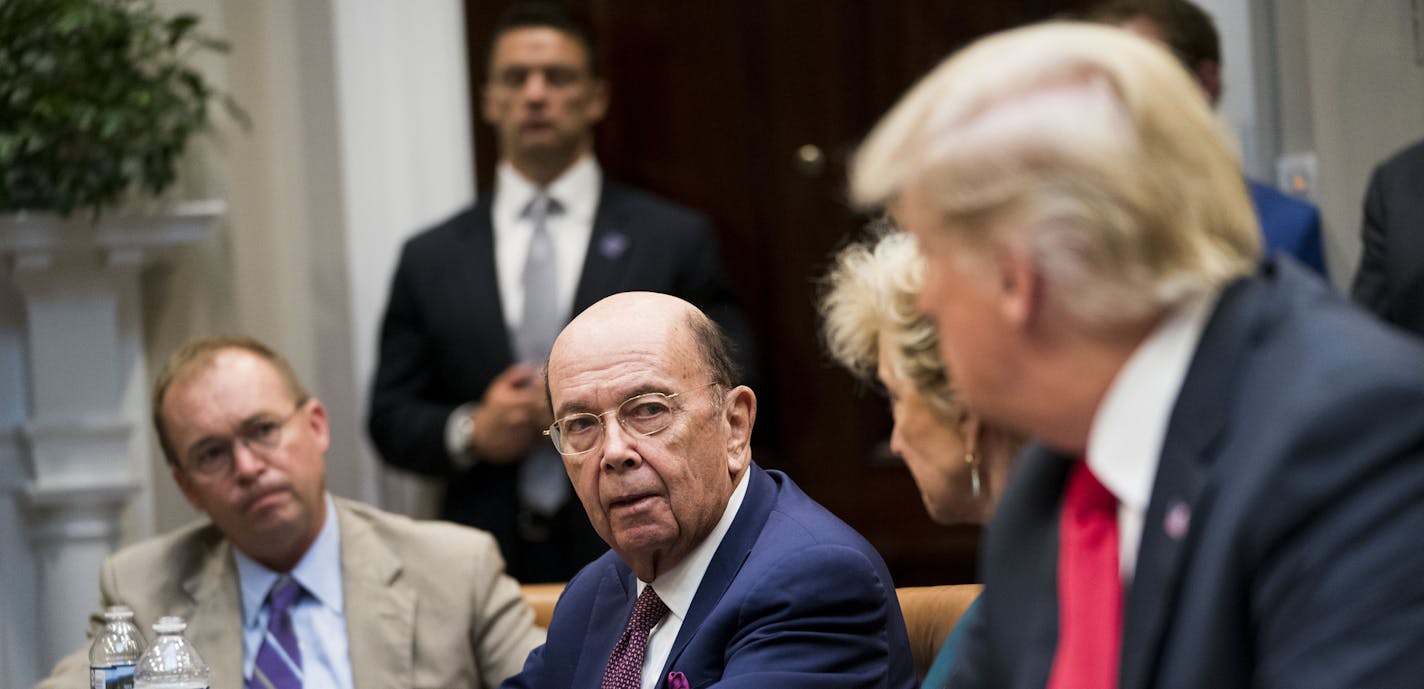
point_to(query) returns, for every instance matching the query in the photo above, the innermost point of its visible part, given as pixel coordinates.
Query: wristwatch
(457, 437)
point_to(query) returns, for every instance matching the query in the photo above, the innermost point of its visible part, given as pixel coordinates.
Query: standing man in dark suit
(721, 574)
(1289, 225)
(1227, 488)
(477, 300)
(1390, 281)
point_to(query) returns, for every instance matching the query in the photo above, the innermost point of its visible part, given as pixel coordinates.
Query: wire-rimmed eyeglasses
(213, 457)
(644, 415)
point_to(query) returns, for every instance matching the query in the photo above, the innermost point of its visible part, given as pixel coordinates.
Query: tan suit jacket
(427, 603)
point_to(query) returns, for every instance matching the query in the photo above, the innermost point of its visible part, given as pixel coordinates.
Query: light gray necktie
(543, 484)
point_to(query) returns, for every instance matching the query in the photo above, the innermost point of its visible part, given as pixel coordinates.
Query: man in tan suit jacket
(421, 604)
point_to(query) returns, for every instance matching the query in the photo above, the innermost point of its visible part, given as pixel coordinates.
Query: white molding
(78, 452)
(28, 234)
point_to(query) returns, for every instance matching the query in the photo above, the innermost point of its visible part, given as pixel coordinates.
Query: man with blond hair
(1227, 488)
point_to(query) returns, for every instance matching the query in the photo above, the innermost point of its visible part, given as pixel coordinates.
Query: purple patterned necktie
(625, 665)
(279, 658)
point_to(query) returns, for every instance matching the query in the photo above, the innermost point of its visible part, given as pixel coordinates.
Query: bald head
(636, 314)
(644, 380)
(624, 318)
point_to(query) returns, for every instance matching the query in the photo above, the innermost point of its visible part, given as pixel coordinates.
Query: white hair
(1092, 147)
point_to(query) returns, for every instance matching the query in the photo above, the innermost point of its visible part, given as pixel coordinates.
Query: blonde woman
(873, 329)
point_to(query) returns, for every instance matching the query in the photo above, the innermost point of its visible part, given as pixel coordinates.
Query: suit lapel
(476, 283)
(612, 606)
(214, 613)
(1182, 491)
(380, 608)
(731, 554)
(609, 248)
(1023, 561)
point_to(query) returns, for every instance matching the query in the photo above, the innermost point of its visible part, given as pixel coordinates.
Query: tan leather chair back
(930, 613)
(542, 597)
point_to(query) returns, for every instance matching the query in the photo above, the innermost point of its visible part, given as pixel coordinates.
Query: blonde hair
(1089, 145)
(871, 290)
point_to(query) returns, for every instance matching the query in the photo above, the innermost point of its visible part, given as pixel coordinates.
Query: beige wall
(1364, 91)
(1334, 78)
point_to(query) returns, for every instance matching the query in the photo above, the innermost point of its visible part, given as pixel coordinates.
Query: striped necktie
(279, 658)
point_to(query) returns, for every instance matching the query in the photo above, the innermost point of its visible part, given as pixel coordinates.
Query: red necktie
(625, 665)
(1089, 587)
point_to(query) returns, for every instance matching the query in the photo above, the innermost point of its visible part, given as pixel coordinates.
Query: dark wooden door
(747, 110)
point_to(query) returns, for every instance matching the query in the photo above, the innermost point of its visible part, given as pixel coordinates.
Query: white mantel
(77, 418)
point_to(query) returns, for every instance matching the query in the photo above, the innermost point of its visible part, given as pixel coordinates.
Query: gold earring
(973, 463)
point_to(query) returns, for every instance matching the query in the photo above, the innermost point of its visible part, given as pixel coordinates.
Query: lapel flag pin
(1178, 520)
(613, 245)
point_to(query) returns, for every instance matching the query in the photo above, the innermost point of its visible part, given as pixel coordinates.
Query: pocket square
(677, 680)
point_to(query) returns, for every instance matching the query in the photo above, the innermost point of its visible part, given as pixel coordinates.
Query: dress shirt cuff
(457, 435)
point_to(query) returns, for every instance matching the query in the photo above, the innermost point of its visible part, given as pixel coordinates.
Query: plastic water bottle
(171, 662)
(115, 651)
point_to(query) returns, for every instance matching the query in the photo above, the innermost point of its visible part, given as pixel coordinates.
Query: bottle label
(112, 677)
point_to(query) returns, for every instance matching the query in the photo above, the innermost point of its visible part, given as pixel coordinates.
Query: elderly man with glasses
(721, 574)
(284, 586)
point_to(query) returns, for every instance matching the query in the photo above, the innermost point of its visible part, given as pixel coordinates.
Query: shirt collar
(1130, 426)
(319, 571)
(677, 586)
(576, 190)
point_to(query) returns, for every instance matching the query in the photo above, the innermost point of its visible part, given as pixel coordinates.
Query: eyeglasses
(644, 415)
(214, 457)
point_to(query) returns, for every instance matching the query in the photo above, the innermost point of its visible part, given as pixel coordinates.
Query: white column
(75, 440)
(81, 441)
(72, 530)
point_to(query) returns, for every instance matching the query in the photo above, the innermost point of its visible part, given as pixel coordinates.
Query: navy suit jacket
(1390, 281)
(793, 598)
(1296, 452)
(1288, 225)
(444, 338)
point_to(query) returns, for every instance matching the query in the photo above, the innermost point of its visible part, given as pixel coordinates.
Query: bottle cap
(169, 624)
(118, 612)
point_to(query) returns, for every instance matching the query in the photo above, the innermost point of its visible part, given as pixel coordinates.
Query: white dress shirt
(318, 617)
(1130, 426)
(577, 192)
(678, 586)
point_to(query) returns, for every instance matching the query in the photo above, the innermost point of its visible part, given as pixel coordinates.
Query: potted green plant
(97, 102)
